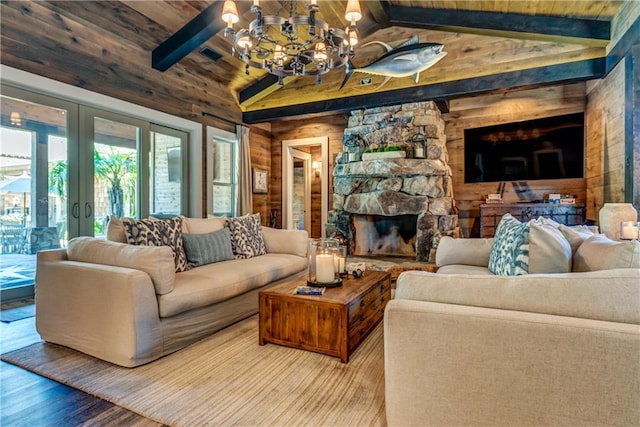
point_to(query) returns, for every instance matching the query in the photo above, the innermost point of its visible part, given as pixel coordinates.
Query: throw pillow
(575, 235)
(115, 230)
(246, 236)
(207, 248)
(205, 225)
(294, 242)
(598, 252)
(549, 251)
(510, 250)
(470, 251)
(149, 232)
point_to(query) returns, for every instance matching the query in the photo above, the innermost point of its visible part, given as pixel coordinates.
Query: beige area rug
(228, 379)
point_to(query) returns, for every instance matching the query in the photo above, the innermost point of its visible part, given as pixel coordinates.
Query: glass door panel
(34, 183)
(168, 167)
(115, 172)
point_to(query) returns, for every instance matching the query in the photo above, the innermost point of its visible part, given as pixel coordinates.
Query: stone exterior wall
(391, 187)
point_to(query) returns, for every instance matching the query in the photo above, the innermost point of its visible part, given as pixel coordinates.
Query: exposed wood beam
(200, 29)
(630, 39)
(512, 25)
(555, 74)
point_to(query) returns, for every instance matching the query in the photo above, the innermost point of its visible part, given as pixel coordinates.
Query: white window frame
(214, 136)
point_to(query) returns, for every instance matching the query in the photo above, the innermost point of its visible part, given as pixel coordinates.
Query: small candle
(339, 263)
(325, 268)
(629, 230)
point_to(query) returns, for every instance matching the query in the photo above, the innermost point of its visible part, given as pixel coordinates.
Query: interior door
(300, 191)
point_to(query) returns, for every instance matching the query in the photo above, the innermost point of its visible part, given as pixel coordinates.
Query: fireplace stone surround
(394, 187)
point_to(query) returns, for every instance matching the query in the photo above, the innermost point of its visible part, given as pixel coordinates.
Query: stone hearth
(394, 187)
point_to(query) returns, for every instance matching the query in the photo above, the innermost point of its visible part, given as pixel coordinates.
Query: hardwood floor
(27, 399)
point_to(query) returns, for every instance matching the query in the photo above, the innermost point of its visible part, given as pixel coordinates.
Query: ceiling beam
(196, 32)
(542, 76)
(513, 25)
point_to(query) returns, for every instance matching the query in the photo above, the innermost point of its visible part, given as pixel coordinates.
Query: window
(225, 179)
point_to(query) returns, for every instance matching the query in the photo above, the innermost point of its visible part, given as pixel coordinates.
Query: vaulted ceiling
(490, 44)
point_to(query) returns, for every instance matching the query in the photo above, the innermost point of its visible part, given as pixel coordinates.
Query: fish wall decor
(408, 59)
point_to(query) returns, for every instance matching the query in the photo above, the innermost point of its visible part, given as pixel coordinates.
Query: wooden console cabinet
(490, 214)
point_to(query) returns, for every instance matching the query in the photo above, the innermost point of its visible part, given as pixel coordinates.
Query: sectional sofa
(465, 346)
(126, 304)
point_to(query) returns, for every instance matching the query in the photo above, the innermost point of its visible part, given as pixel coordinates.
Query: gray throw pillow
(208, 248)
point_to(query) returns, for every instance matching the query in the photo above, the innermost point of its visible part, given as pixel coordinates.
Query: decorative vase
(612, 214)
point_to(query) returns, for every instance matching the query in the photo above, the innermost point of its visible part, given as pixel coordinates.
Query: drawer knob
(382, 288)
(362, 317)
(361, 332)
(362, 303)
(382, 298)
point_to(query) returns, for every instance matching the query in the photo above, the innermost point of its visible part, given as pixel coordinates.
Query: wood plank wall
(497, 109)
(260, 147)
(606, 140)
(464, 113)
(331, 126)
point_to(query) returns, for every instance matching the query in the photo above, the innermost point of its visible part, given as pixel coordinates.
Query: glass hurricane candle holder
(341, 260)
(323, 271)
(629, 230)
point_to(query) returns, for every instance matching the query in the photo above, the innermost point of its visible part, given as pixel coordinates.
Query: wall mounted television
(549, 148)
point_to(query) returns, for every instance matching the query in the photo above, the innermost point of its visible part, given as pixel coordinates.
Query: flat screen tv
(549, 148)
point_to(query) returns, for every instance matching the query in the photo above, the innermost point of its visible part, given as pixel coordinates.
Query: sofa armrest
(294, 242)
(459, 365)
(105, 311)
(467, 251)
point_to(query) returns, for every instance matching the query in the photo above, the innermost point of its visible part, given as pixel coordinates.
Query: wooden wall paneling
(472, 112)
(605, 141)
(260, 143)
(331, 126)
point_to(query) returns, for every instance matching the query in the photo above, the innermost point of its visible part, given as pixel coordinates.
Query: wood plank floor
(27, 399)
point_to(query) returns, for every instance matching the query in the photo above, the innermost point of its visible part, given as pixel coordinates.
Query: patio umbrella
(17, 185)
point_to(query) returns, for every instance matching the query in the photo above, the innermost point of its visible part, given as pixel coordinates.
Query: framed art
(260, 180)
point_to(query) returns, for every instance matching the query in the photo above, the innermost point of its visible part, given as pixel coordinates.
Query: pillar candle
(325, 268)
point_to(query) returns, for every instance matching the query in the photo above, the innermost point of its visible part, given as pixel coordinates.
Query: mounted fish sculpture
(408, 59)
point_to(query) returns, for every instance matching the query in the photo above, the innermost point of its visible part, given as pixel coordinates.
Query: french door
(65, 168)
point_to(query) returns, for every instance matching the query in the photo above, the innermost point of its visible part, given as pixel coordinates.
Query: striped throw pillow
(208, 248)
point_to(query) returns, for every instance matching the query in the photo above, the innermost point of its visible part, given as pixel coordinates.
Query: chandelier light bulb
(244, 42)
(230, 13)
(352, 32)
(353, 13)
(320, 52)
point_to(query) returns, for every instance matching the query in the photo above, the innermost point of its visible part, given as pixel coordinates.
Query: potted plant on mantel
(388, 152)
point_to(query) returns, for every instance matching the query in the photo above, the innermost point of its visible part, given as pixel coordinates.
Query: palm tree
(118, 168)
(111, 164)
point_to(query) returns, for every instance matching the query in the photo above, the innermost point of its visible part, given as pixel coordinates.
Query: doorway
(301, 191)
(317, 151)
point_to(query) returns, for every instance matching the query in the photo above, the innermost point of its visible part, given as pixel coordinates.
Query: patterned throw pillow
(246, 236)
(207, 248)
(510, 249)
(152, 232)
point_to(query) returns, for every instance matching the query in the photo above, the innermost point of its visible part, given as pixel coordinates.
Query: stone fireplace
(393, 204)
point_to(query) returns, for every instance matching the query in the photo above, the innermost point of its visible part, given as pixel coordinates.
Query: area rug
(228, 379)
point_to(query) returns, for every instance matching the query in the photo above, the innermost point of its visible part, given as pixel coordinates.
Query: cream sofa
(466, 347)
(126, 305)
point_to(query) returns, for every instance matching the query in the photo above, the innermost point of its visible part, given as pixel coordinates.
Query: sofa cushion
(510, 250)
(212, 283)
(115, 230)
(204, 225)
(549, 250)
(575, 235)
(463, 251)
(246, 236)
(612, 295)
(151, 232)
(598, 252)
(156, 261)
(294, 242)
(207, 248)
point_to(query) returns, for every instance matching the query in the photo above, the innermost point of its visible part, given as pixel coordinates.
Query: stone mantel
(392, 167)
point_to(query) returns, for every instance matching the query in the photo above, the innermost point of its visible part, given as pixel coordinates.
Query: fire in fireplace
(383, 235)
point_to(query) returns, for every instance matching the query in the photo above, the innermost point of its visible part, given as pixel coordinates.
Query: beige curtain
(245, 198)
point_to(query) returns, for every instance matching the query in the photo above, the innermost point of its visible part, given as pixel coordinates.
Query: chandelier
(292, 45)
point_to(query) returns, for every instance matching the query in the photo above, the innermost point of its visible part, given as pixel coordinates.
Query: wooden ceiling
(510, 39)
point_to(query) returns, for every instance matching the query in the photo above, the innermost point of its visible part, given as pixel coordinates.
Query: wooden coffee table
(334, 323)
